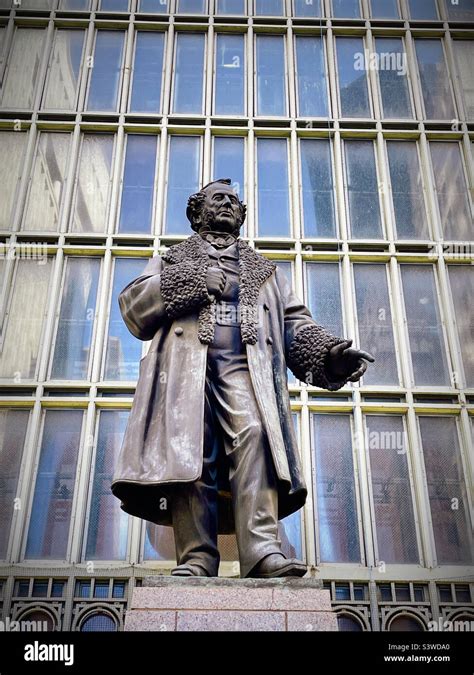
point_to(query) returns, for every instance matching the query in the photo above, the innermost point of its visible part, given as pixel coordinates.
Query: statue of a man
(210, 445)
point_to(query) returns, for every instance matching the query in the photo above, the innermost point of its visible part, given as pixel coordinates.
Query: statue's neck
(217, 238)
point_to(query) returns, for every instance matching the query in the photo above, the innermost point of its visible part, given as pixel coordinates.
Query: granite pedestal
(166, 603)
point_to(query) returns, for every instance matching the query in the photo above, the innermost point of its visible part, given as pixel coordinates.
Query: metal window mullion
(46, 351)
(372, 78)
(99, 347)
(368, 486)
(209, 65)
(313, 501)
(87, 55)
(361, 479)
(458, 376)
(381, 163)
(413, 66)
(340, 187)
(396, 323)
(70, 187)
(252, 184)
(207, 155)
(401, 323)
(431, 192)
(127, 68)
(450, 64)
(161, 182)
(8, 40)
(117, 171)
(290, 72)
(465, 455)
(42, 71)
(21, 190)
(309, 507)
(168, 55)
(414, 501)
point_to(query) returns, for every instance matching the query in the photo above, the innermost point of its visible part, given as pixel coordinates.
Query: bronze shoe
(276, 565)
(189, 570)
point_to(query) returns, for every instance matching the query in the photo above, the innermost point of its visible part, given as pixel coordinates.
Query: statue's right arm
(161, 293)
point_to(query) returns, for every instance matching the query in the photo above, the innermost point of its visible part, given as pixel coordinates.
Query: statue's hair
(196, 202)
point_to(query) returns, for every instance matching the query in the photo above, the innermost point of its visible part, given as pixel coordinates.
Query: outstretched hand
(344, 362)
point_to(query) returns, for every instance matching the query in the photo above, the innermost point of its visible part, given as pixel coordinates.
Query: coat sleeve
(161, 293)
(306, 343)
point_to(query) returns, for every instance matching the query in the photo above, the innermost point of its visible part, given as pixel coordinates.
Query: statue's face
(221, 208)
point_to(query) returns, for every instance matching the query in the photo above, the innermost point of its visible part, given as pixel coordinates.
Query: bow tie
(219, 239)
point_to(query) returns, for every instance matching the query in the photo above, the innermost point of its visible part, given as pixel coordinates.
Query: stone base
(166, 603)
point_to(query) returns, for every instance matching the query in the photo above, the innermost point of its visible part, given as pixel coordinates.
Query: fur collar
(254, 271)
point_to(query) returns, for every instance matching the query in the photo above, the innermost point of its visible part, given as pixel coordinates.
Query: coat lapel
(254, 271)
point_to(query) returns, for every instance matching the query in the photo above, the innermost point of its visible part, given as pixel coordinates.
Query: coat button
(269, 341)
(178, 331)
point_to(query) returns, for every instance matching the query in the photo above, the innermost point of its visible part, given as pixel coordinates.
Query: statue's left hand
(344, 362)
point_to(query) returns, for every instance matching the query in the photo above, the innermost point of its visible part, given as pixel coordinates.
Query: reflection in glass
(391, 490)
(270, 59)
(462, 10)
(464, 58)
(155, 6)
(50, 521)
(445, 478)
(123, 350)
(353, 86)
(188, 73)
(147, 72)
(114, 5)
(392, 70)
(311, 77)
(23, 323)
(47, 182)
(138, 184)
(324, 295)
(108, 525)
(407, 190)
(308, 8)
(229, 159)
(434, 80)
(384, 9)
(64, 70)
(362, 190)
(236, 7)
(451, 191)
(423, 9)
(346, 9)
(13, 426)
(191, 6)
(319, 216)
(183, 180)
(74, 4)
(76, 319)
(335, 489)
(230, 75)
(93, 183)
(106, 71)
(461, 278)
(424, 325)
(21, 77)
(272, 180)
(269, 7)
(374, 319)
(13, 146)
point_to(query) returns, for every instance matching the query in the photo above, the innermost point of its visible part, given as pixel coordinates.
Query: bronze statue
(210, 445)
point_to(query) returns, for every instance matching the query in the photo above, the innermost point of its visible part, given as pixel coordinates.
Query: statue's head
(216, 207)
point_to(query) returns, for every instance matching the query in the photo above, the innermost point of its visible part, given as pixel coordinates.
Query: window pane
(308, 8)
(155, 6)
(147, 70)
(114, 5)
(424, 325)
(74, 4)
(191, 6)
(230, 75)
(188, 75)
(123, 350)
(384, 9)
(353, 90)
(407, 190)
(269, 7)
(423, 9)
(362, 190)
(183, 180)
(460, 10)
(461, 278)
(317, 189)
(52, 503)
(434, 80)
(335, 488)
(93, 183)
(324, 295)
(391, 490)
(23, 322)
(138, 184)
(271, 92)
(273, 198)
(48, 181)
(392, 69)
(13, 425)
(231, 7)
(108, 524)
(374, 318)
(106, 71)
(76, 319)
(464, 58)
(64, 70)
(451, 190)
(13, 146)
(23, 66)
(311, 77)
(229, 155)
(346, 9)
(445, 477)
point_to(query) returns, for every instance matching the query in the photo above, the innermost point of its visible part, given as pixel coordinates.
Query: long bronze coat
(162, 446)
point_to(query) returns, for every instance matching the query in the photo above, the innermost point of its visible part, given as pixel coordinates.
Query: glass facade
(347, 128)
